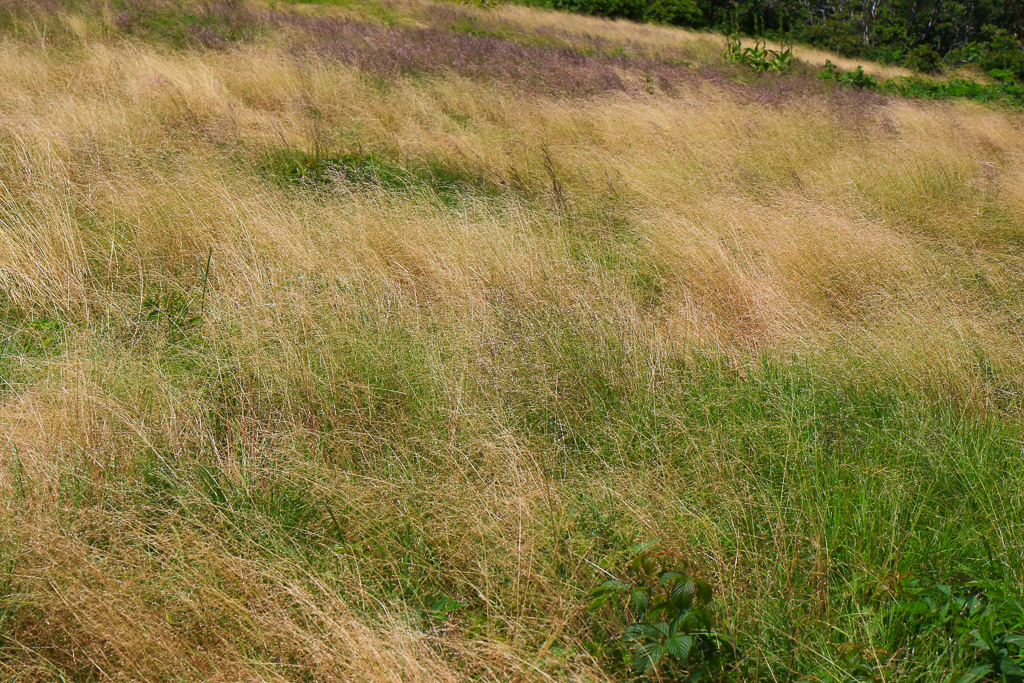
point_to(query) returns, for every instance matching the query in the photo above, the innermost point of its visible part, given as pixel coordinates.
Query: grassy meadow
(361, 340)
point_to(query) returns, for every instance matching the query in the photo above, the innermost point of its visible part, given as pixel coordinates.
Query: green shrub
(674, 12)
(658, 619)
(857, 77)
(1003, 53)
(925, 59)
(982, 625)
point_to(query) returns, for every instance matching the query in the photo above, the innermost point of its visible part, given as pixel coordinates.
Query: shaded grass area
(370, 170)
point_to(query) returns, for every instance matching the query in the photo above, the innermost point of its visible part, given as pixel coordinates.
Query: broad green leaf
(647, 657)
(682, 594)
(633, 632)
(677, 622)
(609, 586)
(670, 575)
(640, 600)
(651, 632)
(679, 647)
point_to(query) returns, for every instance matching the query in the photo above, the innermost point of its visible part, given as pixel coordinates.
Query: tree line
(925, 35)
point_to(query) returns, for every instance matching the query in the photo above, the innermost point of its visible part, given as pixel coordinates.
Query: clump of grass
(363, 170)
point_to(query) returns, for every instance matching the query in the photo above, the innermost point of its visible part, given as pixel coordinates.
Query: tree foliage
(925, 35)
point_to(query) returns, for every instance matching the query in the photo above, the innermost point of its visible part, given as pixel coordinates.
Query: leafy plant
(856, 78)
(782, 58)
(1007, 92)
(925, 59)
(733, 48)
(442, 607)
(658, 619)
(983, 622)
(759, 57)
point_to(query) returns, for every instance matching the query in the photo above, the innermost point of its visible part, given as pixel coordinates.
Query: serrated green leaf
(609, 586)
(651, 632)
(633, 632)
(640, 600)
(670, 575)
(679, 647)
(647, 657)
(683, 594)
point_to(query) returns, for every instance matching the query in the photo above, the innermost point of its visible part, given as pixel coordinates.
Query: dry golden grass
(372, 349)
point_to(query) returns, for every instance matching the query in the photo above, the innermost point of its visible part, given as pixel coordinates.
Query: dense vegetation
(924, 35)
(399, 340)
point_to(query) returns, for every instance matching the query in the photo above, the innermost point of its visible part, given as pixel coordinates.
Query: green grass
(822, 502)
(362, 170)
(180, 25)
(26, 341)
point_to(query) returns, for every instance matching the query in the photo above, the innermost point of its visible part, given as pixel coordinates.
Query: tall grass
(468, 334)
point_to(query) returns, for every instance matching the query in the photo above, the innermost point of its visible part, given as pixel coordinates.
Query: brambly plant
(983, 625)
(658, 619)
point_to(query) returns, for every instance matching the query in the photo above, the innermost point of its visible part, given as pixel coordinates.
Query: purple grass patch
(388, 51)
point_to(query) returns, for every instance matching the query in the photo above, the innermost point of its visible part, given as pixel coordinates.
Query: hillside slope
(362, 341)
